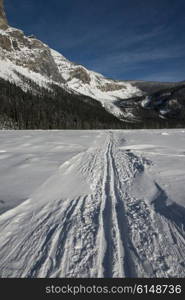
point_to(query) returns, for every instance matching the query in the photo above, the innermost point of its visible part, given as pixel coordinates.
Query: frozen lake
(92, 203)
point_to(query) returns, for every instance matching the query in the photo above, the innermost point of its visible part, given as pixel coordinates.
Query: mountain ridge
(31, 64)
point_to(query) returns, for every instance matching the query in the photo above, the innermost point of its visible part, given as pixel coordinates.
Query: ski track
(104, 233)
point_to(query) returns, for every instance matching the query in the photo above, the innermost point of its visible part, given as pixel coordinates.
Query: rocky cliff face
(166, 108)
(3, 20)
(28, 52)
(21, 54)
(25, 60)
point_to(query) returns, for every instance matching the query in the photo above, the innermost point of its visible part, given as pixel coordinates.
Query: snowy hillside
(28, 63)
(92, 203)
(37, 69)
(23, 57)
(12, 73)
(93, 84)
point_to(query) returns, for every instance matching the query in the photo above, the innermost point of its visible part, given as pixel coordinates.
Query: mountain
(30, 66)
(149, 87)
(163, 108)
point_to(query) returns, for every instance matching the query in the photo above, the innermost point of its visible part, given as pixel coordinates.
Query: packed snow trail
(86, 221)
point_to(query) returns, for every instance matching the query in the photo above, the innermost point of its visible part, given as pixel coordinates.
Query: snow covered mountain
(92, 84)
(31, 65)
(28, 57)
(163, 108)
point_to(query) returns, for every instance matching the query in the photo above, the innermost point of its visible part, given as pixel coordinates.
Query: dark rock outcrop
(109, 87)
(80, 73)
(3, 19)
(165, 108)
(29, 53)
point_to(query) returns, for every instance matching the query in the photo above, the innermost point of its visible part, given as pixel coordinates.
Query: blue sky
(122, 39)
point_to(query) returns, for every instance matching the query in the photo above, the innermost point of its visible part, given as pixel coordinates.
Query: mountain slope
(30, 57)
(51, 109)
(32, 65)
(27, 56)
(164, 108)
(153, 86)
(92, 84)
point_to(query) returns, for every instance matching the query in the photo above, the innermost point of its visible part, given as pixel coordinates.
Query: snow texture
(92, 203)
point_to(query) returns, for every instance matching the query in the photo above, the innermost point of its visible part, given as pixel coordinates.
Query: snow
(146, 101)
(164, 111)
(92, 203)
(94, 87)
(9, 71)
(85, 82)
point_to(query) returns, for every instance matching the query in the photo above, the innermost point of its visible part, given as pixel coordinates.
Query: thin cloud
(168, 76)
(130, 59)
(121, 39)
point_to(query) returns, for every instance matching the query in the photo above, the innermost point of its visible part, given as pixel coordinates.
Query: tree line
(56, 108)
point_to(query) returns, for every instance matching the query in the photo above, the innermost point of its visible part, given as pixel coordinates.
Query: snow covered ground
(92, 203)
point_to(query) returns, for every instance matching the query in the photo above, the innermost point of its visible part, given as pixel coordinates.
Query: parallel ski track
(106, 233)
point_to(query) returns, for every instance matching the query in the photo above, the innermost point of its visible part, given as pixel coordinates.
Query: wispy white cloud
(133, 59)
(167, 76)
(115, 37)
